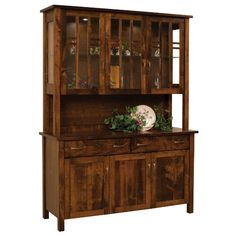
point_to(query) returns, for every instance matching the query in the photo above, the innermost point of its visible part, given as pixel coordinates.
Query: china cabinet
(96, 60)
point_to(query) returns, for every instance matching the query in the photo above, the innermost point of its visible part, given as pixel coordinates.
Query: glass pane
(115, 64)
(70, 52)
(165, 56)
(50, 63)
(83, 53)
(126, 72)
(94, 52)
(155, 69)
(137, 39)
(137, 53)
(175, 53)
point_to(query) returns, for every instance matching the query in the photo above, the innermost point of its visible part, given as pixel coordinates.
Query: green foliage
(129, 122)
(163, 119)
(123, 122)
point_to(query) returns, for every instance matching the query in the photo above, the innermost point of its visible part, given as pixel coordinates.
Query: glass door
(82, 53)
(165, 56)
(125, 52)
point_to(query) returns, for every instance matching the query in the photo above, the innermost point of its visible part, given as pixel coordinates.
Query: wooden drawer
(160, 143)
(96, 147)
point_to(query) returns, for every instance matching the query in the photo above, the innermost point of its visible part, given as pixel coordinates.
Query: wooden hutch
(96, 60)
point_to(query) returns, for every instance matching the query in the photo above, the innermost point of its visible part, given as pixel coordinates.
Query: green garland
(127, 123)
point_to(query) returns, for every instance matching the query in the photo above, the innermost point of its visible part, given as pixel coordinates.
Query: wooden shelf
(108, 134)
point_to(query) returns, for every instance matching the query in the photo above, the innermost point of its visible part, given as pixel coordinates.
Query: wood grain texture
(52, 175)
(163, 143)
(186, 78)
(87, 113)
(87, 168)
(86, 186)
(129, 183)
(96, 147)
(57, 72)
(191, 175)
(126, 12)
(169, 176)
(44, 181)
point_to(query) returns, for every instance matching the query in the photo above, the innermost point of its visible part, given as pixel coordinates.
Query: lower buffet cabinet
(99, 185)
(106, 181)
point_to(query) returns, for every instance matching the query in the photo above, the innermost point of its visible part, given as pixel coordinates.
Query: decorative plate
(145, 115)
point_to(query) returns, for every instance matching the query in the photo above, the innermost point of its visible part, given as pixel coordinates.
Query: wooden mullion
(160, 57)
(130, 57)
(181, 55)
(145, 44)
(88, 54)
(77, 53)
(102, 56)
(120, 50)
(170, 56)
(107, 51)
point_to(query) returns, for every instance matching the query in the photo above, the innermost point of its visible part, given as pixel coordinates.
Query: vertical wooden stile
(186, 77)
(57, 72)
(120, 52)
(181, 49)
(77, 52)
(145, 39)
(88, 53)
(161, 55)
(45, 96)
(131, 56)
(170, 56)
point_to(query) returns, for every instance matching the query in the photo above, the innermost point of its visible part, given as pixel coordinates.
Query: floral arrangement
(132, 122)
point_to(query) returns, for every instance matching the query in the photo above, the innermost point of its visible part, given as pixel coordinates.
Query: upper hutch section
(103, 51)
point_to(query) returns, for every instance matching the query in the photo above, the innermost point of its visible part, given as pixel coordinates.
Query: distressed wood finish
(169, 171)
(129, 182)
(186, 75)
(86, 186)
(87, 168)
(160, 143)
(191, 175)
(97, 147)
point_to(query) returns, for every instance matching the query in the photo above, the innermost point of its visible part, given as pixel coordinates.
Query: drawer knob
(119, 145)
(178, 141)
(77, 148)
(141, 144)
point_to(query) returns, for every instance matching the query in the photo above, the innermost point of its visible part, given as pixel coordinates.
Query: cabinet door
(124, 53)
(83, 54)
(86, 187)
(170, 178)
(130, 182)
(165, 55)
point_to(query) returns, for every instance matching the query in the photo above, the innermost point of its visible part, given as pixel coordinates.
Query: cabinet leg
(191, 175)
(190, 207)
(45, 214)
(60, 224)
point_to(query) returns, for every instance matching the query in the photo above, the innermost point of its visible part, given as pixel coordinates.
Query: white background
(212, 112)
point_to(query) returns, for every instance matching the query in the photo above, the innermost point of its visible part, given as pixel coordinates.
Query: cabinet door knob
(154, 164)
